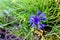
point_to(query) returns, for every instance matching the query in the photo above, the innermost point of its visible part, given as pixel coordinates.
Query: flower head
(36, 19)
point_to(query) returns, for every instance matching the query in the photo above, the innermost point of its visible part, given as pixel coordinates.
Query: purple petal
(30, 21)
(42, 15)
(36, 19)
(32, 25)
(42, 18)
(38, 12)
(31, 18)
(43, 25)
(39, 27)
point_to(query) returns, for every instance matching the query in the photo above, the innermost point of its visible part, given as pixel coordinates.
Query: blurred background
(14, 15)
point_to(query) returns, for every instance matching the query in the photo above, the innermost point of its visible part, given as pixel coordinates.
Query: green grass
(20, 10)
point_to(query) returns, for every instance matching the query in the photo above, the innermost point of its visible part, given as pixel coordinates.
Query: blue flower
(35, 20)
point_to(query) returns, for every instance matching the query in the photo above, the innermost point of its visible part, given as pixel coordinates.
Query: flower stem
(32, 29)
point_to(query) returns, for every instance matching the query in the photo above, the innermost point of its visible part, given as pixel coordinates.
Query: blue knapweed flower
(35, 20)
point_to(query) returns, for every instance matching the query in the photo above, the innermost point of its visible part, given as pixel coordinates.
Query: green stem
(9, 23)
(32, 29)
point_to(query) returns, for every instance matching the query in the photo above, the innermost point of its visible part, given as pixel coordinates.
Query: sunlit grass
(20, 10)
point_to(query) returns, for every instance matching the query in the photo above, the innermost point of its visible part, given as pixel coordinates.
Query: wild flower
(35, 20)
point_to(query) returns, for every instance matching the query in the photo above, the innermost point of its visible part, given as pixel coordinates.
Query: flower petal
(31, 18)
(33, 25)
(42, 18)
(38, 12)
(39, 26)
(36, 19)
(30, 21)
(43, 25)
(42, 15)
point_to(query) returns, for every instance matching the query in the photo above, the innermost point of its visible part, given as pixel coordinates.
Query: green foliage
(20, 10)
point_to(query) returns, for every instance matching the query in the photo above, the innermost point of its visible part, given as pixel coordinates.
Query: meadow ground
(30, 19)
